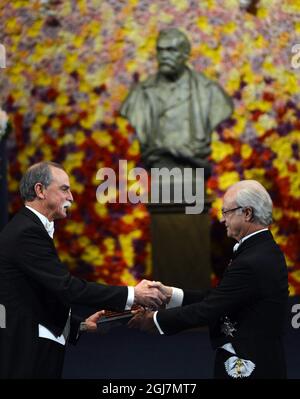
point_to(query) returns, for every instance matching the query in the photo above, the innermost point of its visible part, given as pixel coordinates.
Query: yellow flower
(127, 278)
(148, 265)
(13, 26)
(262, 13)
(292, 290)
(82, 6)
(48, 155)
(17, 69)
(180, 5)
(165, 17)
(227, 179)
(259, 175)
(229, 28)
(290, 82)
(214, 54)
(130, 165)
(102, 138)
(88, 122)
(73, 160)
(78, 41)
(281, 240)
(136, 234)
(295, 184)
(140, 212)
(66, 258)
(110, 245)
(127, 249)
(41, 119)
(239, 128)
(62, 99)
(297, 27)
(291, 6)
(75, 185)
(217, 204)
(203, 24)
(80, 137)
(71, 62)
(129, 219)
(220, 150)
(84, 241)
(13, 184)
(92, 255)
(282, 147)
(246, 151)
(55, 123)
(264, 123)
(260, 42)
(296, 275)
(101, 209)
(249, 94)
(277, 213)
(122, 125)
(131, 66)
(134, 148)
(233, 80)
(74, 227)
(269, 67)
(35, 28)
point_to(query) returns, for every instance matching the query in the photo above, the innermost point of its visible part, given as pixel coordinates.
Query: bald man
(246, 312)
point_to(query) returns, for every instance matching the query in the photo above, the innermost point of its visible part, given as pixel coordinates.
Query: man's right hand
(164, 289)
(151, 294)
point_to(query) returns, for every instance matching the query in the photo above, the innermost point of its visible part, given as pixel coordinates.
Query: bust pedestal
(180, 246)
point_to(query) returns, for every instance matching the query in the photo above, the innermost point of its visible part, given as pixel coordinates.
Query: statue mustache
(167, 63)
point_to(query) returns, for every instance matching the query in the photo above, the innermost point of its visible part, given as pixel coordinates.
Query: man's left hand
(143, 319)
(90, 324)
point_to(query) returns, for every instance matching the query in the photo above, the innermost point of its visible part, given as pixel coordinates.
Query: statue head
(173, 50)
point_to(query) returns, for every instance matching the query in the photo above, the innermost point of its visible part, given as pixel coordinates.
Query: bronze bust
(175, 111)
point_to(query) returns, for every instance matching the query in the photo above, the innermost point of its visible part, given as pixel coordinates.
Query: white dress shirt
(177, 294)
(43, 331)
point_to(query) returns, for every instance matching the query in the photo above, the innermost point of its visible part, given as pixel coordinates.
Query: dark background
(130, 354)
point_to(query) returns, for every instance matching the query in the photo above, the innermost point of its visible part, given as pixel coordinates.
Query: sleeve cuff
(130, 298)
(156, 323)
(176, 298)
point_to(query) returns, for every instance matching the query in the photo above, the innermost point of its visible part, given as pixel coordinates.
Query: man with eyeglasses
(246, 312)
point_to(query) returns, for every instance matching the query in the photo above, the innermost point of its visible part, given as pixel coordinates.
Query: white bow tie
(49, 226)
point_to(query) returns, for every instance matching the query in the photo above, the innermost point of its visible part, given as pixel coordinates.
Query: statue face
(171, 56)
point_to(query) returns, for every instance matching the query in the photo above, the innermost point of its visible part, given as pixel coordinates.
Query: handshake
(152, 294)
(148, 296)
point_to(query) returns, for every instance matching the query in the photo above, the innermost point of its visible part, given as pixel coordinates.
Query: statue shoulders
(150, 81)
(201, 78)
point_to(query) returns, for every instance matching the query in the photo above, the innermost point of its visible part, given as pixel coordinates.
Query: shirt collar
(236, 246)
(49, 226)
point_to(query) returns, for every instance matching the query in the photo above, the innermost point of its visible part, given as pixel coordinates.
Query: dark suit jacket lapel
(35, 219)
(254, 240)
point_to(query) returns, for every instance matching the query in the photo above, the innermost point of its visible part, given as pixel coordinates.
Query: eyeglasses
(230, 210)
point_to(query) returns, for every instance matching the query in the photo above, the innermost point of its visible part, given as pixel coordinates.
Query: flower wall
(71, 63)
